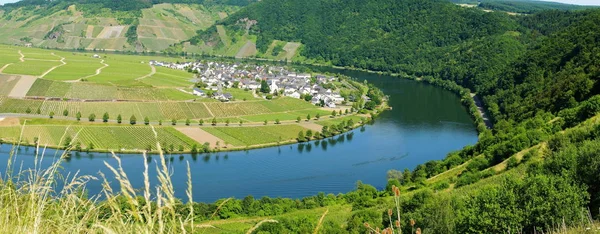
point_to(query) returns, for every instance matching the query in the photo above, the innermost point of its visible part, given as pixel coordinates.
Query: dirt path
(209, 111)
(22, 58)
(5, 66)
(97, 73)
(22, 87)
(200, 135)
(320, 222)
(149, 75)
(62, 60)
(9, 122)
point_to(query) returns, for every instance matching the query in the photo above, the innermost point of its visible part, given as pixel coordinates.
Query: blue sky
(578, 2)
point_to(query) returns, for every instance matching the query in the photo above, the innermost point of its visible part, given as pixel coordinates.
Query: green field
(75, 69)
(31, 67)
(167, 77)
(245, 136)
(129, 138)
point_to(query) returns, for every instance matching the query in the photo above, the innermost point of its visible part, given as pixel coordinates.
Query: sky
(578, 2)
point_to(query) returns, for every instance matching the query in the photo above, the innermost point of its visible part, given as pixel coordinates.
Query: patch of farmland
(169, 77)
(82, 90)
(74, 70)
(223, 35)
(220, 109)
(109, 44)
(111, 32)
(291, 49)
(156, 44)
(150, 110)
(7, 83)
(39, 88)
(57, 89)
(249, 49)
(31, 67)
(19, 106)
(174, 95)
(89, 32)
(256, 135)
(272, 117)
(198, 110)
(121, 70)
(40, 56)
(175, 110)
(326, 121)
(9, 55)
(240, 94)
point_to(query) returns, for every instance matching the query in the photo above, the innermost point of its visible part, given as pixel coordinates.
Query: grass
(74, 69)
(166, 77)
(31, 67)
(248, 136)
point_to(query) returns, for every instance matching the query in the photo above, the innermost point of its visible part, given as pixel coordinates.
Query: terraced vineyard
(7, 83)
(128, 138)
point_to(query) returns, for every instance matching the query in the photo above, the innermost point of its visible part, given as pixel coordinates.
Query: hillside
(519, 6)
(93, 26)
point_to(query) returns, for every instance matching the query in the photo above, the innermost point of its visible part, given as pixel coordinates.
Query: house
(96, 56)
(295, 95)
(224, 97)
(199, 92)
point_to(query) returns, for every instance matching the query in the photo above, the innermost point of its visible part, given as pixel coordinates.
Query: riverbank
(63, 133)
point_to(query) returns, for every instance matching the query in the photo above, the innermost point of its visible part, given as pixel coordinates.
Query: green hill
(104, 25)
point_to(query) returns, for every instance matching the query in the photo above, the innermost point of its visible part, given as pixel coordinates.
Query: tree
(298, 119)
(132, 120)
(201, 122)
(160, 122)
(318, 116)
(105, 117)
(308, 117)
(309, 134)
(173, 122)
(265, 123)
(350, 123)
(340, 113)
(333, 113)
(241, 122)
(38, 111)
(347, 111)
(264, 87)
(214, 122)
(227, 121)
(277, 121)
(67, 142)
(78, 116)
(370, 105)
(301, 137)
(51, 114)
(119, 118)
(146, 120)
(92, 117)
(187, 122)
(66, 112)
(28, 110)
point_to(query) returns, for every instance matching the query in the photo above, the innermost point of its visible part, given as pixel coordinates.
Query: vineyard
(91, 91)
(110, 138)
(31, 67)
(245, 136)
(7, 83)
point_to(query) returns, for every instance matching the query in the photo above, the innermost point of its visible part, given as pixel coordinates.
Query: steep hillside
(69, 25)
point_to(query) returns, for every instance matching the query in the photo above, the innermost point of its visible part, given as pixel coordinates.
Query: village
(213, 78)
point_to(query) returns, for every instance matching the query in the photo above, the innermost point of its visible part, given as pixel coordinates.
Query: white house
(199, 92)
(295, 95)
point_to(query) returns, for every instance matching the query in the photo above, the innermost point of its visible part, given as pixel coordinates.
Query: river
(425, 124)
